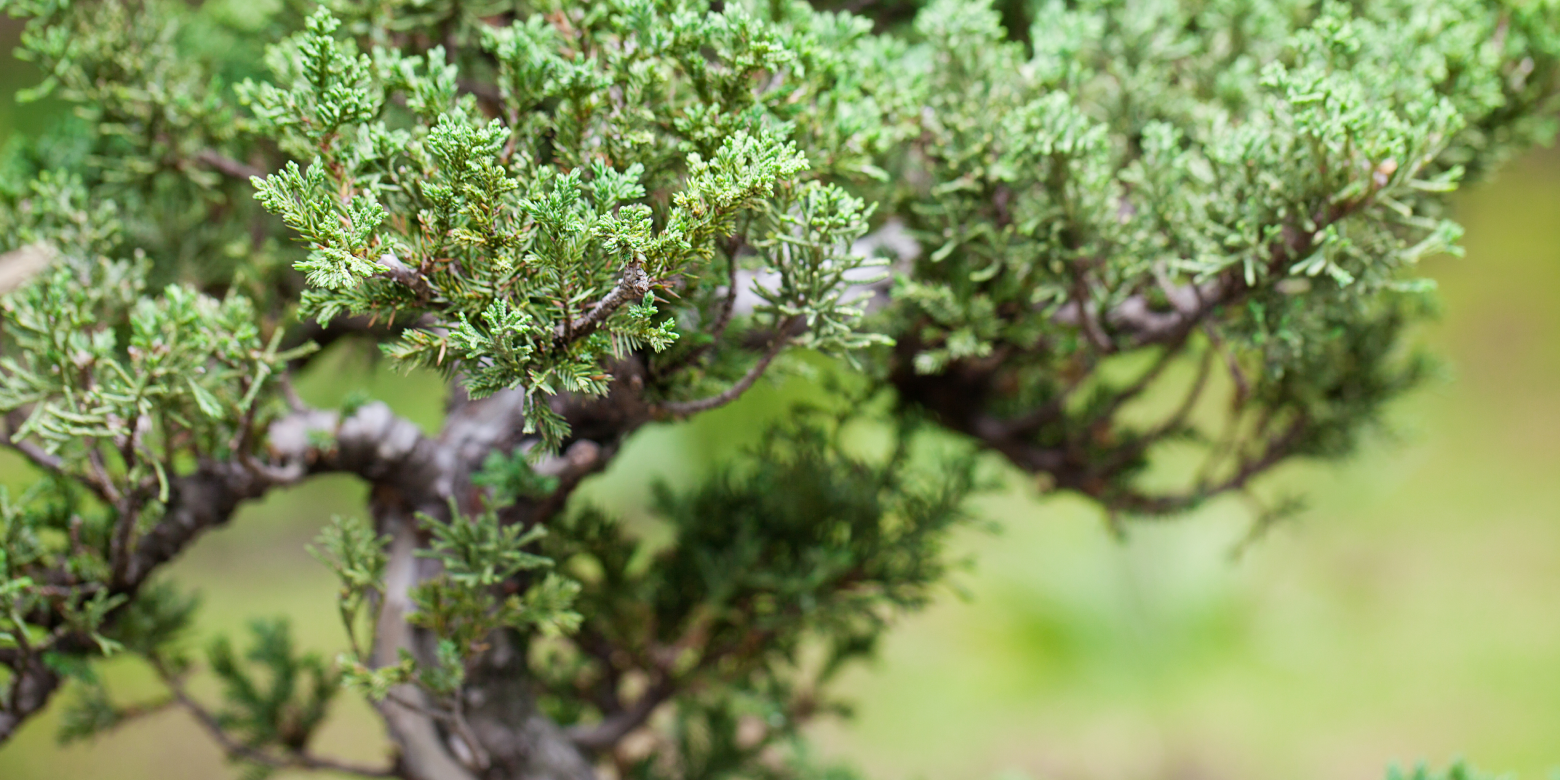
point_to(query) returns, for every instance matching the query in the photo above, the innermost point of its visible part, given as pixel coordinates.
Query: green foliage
(477, 554)
(282, 705)
(100, 366)
(156, 623)
(1013, 220)
(783, 566)
(89, 714)
(511, 478)
(357, 556)
(40, 533)
(533, 263)
(462, 607)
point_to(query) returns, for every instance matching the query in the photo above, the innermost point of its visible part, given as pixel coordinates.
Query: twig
(1088, 317)
(685, 408)
(1242, 387)
(632, 286)
(100, 472)
(235, 749)
(1192, 394)
(480, 759)
(227, 165)
(733, 245)
(39, 457)
(604, 735)
(1275, 452)
(290, 393)
(513, 117)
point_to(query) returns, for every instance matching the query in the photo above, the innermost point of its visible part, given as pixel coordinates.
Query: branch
(406, 715)
(97, 481)
(602, 736)
(733, 245)
(633, 285)
(341, 328)
(32, 684)
(1277, 450)
(46, 461)
(197, 502)
(779, 343)
(1192, 303)
(373, 443)
(238, 750)
(227, 165)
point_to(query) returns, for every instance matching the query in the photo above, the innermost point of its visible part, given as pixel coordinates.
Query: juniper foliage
(1076, 235)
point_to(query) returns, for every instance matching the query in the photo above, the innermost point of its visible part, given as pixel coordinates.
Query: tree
(1043, 230)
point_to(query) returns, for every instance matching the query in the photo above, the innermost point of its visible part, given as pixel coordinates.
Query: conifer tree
(992, 227)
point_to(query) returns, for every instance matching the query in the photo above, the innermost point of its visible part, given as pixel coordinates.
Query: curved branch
(781, 340)
(604, 735)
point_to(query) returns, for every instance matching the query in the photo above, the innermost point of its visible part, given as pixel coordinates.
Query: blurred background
(1411, 613)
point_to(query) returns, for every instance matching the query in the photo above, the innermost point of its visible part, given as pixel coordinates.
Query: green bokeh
(1410, 614)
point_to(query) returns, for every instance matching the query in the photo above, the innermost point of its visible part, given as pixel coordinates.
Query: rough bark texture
(412, 474)
(522, 743)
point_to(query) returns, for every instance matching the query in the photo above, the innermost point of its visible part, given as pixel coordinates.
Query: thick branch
(423, 751)
(197, 502)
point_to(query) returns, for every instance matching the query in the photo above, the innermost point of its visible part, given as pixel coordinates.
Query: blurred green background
(1413, 612)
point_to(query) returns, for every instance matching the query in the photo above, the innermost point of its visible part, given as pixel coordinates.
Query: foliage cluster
(1073, 235)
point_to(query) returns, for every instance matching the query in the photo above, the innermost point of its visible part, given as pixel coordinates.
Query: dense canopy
(1077, 235)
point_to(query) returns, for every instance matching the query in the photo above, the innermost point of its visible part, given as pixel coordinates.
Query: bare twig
(778, 344)
(604, 735)
(1242, 387)
(733, 245)
(40, 457)
(512, 117)
(227, 165)
(1192, 394)
(728, 304)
